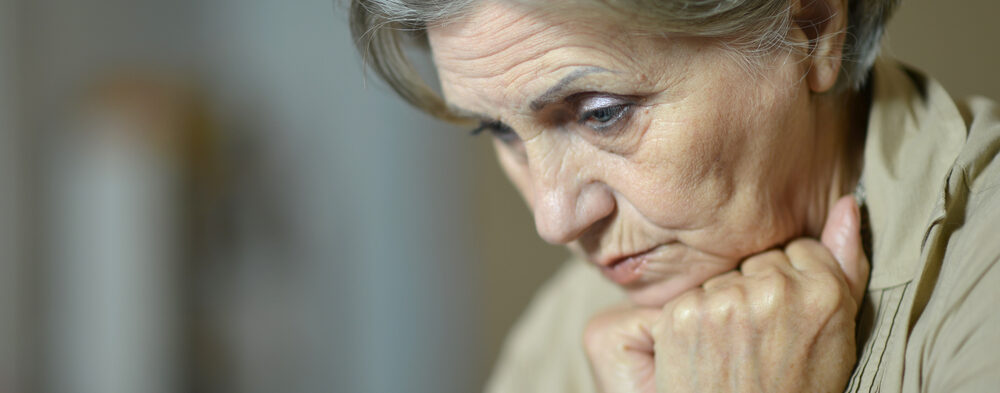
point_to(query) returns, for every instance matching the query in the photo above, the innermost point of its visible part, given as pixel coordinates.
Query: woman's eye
(603, 116)
(601, 113)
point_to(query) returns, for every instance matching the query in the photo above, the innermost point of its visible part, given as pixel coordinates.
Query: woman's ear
(823, 25)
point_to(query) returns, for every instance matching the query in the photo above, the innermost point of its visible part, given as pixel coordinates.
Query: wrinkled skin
(670, 149)
(783, 323)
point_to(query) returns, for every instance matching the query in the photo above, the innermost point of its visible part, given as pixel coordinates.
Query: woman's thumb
(842, 236)
(619, 345)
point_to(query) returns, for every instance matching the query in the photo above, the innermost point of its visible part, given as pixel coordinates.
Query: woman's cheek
(681, 177)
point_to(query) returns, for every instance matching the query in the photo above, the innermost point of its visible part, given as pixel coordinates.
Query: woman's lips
(627, 270)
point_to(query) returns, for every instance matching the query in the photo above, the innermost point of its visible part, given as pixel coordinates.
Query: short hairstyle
(381, 29)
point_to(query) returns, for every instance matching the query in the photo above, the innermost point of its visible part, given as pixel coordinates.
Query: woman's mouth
(626, 270)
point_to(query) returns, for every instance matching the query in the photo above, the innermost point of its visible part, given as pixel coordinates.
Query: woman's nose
(564, 211)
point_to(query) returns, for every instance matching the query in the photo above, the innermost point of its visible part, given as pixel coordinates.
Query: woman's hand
(784, 322)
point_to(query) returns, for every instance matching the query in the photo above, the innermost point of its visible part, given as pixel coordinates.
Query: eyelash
(619, 111)
(499, 130)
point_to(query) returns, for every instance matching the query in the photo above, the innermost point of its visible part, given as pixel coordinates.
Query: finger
(807, 254)
(772, 261)
(722, 280)
(842, 236)
(619, 345)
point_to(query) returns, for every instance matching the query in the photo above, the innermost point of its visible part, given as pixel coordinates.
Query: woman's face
(664, 161)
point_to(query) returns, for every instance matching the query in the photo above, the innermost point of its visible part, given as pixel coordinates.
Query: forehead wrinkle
(478, 50)
(488, 36)
(533, 66)
(515, 73)
(530, 60)
(520, 58)
(493, 24)
(500, 60)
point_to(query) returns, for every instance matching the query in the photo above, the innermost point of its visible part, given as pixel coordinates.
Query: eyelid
(586, 105)
(592, 102)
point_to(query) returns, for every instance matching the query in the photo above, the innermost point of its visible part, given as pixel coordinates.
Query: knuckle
(795, 246)
(827, 281)
(726, 304)
(775, 289)
(806, 248)
(758, 265)
(712, 282)
(825, 294)
(770, 257)
(764, 263)
(803, 244)
(686, 312)
(721, 281)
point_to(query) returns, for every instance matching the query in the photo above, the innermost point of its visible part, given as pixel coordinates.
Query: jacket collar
(915, 133)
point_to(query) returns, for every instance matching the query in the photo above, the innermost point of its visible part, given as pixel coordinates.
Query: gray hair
(381, 29)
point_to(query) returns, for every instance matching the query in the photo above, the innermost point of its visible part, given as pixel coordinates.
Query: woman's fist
(784, 322)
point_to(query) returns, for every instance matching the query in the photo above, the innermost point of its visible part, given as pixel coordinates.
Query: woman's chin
(660, 283)
(658, 294)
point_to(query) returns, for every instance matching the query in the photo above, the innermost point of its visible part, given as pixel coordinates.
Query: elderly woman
(697, 154)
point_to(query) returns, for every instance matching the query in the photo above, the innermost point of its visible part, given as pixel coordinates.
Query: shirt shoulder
(955, 336)
(927, 323)
(544, 351)
(968, 236)
(978, 159)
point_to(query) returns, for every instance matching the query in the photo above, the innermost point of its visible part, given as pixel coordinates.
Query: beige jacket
(931, 319)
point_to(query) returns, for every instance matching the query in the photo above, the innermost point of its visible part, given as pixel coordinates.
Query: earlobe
(823, 24)
(823, 73)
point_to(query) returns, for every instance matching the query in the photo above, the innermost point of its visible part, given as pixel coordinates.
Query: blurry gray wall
(380, 277)
(108, 320)
(12, 275)
(351, 266)
(956, 42)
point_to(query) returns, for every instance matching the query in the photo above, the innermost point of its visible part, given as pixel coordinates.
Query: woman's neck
(841, 123)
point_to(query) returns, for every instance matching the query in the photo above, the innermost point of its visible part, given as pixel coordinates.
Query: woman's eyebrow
(552, 94)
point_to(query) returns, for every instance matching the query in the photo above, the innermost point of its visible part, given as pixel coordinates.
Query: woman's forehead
(499, 27)
(520, 52)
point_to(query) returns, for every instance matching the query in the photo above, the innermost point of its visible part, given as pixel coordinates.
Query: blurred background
(207, 196)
